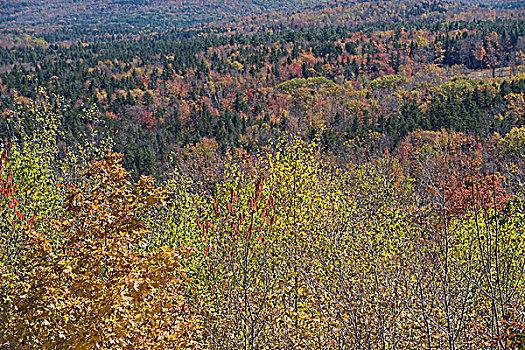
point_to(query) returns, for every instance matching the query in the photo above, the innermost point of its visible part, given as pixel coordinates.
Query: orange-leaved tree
(102, 285)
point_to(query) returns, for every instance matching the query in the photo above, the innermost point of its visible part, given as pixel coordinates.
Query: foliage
(369, 81)
(289, 249)
(514, 142)
(325, 178)
(103, 286)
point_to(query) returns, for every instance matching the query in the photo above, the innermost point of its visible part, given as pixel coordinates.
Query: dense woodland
(271, 175)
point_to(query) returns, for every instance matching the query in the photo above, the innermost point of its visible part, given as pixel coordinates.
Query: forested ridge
(127, 14)
(272, 175)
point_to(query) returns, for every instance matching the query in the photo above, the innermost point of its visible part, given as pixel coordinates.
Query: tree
(103, 283)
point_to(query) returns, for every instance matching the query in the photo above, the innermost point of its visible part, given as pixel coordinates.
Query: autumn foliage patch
(287, 249)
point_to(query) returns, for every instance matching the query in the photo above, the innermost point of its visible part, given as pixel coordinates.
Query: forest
(262, 174)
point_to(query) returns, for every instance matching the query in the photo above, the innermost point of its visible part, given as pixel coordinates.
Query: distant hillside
(107, 20)
(351, 13)
(133, 13)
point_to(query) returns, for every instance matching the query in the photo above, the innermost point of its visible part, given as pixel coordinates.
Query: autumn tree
(102, 285)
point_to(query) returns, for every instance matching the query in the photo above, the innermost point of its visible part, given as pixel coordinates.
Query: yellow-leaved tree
(103, 285)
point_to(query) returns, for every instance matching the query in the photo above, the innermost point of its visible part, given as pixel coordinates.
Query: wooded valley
(262, 175)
